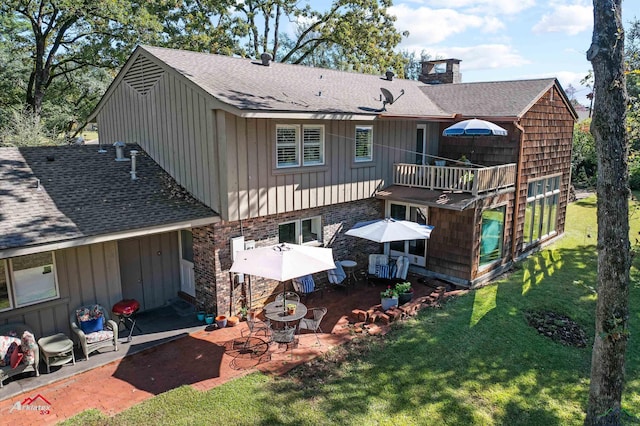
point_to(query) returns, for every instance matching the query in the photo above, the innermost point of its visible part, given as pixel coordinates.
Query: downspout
(516, 206)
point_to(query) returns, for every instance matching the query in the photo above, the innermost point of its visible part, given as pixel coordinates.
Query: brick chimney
(433, 72)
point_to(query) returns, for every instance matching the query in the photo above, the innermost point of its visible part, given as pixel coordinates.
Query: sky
(506, 39)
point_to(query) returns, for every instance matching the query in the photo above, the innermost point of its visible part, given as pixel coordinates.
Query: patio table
(276, 311)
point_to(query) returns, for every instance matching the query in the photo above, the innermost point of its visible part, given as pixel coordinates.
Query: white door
(415, 250)
(187, 280)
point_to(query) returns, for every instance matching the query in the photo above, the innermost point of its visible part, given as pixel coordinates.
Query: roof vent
(133, 153)
(120, 151)
(266, 59)
(389, 75)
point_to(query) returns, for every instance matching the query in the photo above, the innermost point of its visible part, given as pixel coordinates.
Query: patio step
(182, 307)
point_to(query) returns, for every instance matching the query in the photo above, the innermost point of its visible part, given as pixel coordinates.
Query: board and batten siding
(255, 187)
(173, 121)
(86, 274)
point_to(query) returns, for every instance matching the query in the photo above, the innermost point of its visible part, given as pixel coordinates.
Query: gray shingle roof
(83, 193)
(490, 99)
(248, 85)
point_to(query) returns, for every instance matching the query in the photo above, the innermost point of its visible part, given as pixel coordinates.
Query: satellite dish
(388, 96)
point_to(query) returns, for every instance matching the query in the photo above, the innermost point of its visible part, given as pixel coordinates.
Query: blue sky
(506, 39)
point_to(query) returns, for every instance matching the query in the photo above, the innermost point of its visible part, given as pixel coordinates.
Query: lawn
(473, 361)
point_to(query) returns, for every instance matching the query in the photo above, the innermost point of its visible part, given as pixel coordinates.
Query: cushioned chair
(305, 286)
(94, 329)
(382, 272)
(337, 276)
(23, 335)
(313, 323)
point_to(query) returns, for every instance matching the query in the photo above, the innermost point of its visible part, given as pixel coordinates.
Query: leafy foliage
(584, 164)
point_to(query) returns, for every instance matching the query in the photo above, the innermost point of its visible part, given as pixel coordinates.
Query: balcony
(464, 179)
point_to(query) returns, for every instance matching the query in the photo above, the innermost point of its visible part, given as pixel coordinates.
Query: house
(75, 228)
(286, 153)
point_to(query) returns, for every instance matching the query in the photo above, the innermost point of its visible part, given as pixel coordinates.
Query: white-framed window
(312, 145)
(541, 212)
(26, 280)
(291, 140)
(364, 144)
(301, 231)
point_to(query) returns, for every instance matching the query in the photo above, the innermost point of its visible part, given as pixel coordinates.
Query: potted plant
(291, 308)
(221, 321)
(389, 298)
(405, 292)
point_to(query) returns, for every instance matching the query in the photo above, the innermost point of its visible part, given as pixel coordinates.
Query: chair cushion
(337, 275)
(88, 313)
(92, 325)
(5, 343)
(16, 356)
(29, 347)
(377, 259)
(10, 350)
(307, 284)
(382, 271)
(99, 336)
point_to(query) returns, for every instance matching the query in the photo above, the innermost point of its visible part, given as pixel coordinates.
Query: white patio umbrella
(474, 127)
(283, 262)
(387, 230)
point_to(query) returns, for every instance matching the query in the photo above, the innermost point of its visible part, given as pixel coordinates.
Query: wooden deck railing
(465, 179)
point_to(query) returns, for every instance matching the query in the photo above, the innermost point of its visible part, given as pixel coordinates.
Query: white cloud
(570, 19)
(485, 56)
(495, 7)
(434, 26)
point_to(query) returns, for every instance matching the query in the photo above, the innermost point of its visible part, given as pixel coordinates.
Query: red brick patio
(200, 359)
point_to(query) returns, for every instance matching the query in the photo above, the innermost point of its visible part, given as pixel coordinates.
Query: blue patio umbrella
(474, 127)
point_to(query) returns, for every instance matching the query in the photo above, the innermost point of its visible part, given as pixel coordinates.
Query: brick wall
(215, 290)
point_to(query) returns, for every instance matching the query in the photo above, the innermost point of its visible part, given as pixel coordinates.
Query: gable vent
(143, 75)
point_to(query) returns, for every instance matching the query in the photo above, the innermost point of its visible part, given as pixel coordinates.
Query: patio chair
(94, 329)
(305, 286)
(313, 324)
(338, 277)
(257, 326)
(288, 295)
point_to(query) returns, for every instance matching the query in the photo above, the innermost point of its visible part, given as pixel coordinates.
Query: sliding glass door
(415, 250)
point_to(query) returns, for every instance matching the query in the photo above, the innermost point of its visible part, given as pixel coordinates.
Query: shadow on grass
(457, 367)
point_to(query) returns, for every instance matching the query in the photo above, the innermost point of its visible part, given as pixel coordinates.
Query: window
(312, 145)
(186, 243)
(542, 208)
(492, 235)
(288, 145)
(26, 280)
(364, 143)
(304, 231)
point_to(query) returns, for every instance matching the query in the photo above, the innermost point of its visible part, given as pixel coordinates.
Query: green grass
(473, 361)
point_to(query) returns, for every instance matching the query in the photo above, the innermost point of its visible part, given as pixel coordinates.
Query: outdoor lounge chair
(338, 277)
(94, 329)
(305, 286)
(381, 271)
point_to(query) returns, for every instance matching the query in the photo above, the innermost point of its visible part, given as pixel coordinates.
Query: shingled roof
(489, 99)
(61, 193)
(250, 86)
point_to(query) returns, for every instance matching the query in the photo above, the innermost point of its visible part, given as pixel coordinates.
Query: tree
(67, 37)
(606, 54)
(354, 35)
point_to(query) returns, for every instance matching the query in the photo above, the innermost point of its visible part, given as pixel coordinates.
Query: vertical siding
(173, 123)
(86, 274)
(256, 188)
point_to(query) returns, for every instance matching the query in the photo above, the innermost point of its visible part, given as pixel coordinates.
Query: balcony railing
(464, 179)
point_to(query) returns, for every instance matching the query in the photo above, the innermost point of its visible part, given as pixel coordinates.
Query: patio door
(187, 279)
(415, 250)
